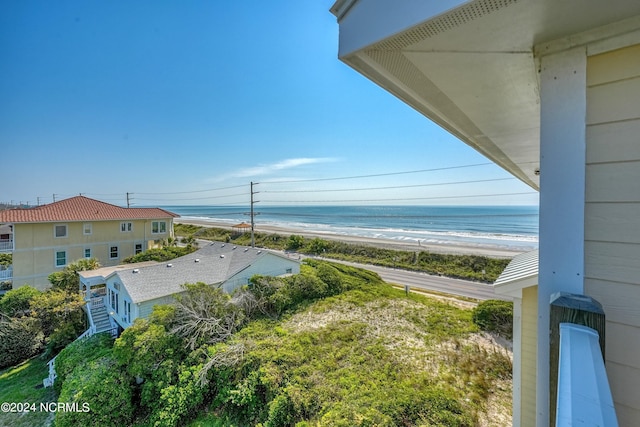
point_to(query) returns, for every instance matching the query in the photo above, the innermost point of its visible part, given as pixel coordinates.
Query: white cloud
(262, 170)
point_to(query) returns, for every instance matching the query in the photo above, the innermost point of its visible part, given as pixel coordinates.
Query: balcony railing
(583, 388)
(6, 273)
(6, 245)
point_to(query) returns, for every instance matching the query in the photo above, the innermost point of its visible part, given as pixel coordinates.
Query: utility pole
(128, 200)
(253, 243)
(54, 197)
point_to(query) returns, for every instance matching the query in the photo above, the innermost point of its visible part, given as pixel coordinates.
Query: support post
(563, 107)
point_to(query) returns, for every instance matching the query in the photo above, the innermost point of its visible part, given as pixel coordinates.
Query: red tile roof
(81, 208)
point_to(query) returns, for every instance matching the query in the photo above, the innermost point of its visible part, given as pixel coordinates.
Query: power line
(422, 217)
(392, 187)
(196, 198)
(404, 199)
(212, 197)
(194, 191)
(379, 174)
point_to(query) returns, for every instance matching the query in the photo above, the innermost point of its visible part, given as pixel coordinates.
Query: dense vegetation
(168, 250)
(471, 267)
(331, 346)
(32, 320)
(5, 261)
(159, 254)
(67, 279)
(495, 316)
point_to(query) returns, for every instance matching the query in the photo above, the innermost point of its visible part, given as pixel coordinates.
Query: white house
(550, 91)
(130, 291)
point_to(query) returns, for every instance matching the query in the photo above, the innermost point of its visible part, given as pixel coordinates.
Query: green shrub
(150, 356)
(20, 339)
(102, 392)
(332, 277)
(68, 279)
(6, 259)
(160, 254)
(17, 302)
(81, 352)
(61, 317)
(145, 346)
(177, 402)
(495, 316)
(294, 242)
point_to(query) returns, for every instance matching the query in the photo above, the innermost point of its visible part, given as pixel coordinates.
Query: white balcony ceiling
(472, 67)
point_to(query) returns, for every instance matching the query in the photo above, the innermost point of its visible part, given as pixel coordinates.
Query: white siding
(612, 216)
(269, 265)
(146, 307)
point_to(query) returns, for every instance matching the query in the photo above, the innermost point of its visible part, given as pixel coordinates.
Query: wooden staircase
(100, 318)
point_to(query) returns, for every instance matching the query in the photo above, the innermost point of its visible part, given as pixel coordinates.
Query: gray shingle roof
(212, 264)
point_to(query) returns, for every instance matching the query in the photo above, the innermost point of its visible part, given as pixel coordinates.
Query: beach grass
(369, 356)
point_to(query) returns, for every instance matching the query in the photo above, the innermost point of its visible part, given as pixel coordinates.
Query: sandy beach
(490, 251)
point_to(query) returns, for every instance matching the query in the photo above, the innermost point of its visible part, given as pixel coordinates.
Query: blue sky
(167, 100)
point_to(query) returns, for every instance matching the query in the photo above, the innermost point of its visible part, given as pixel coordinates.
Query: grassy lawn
(23, 383)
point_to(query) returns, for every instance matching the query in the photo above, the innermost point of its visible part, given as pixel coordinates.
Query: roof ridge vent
(223, 245)
(136, 270)
(221, 255)
(196, 260)
(259, 252)
(169, 265)
(246, 249)
(235, 247)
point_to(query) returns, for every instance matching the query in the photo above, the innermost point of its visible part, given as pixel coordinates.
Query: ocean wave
(493, 239)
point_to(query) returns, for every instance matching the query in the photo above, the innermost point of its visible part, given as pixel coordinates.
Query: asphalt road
(480, 291)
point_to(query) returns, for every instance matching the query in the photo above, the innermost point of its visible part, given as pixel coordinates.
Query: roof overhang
(472, 66)
(521, 273)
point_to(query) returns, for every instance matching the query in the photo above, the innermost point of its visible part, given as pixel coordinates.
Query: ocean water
(510, 227)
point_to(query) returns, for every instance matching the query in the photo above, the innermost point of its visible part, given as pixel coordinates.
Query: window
(137, 249)
(61, 258)
(113, 252)
(87, 252)
(113, 299)
(127, 311)
(60, 230)
(87, 228)
(158, 227)
(126, 227)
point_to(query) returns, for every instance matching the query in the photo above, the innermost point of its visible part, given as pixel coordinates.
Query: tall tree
(68, 278)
